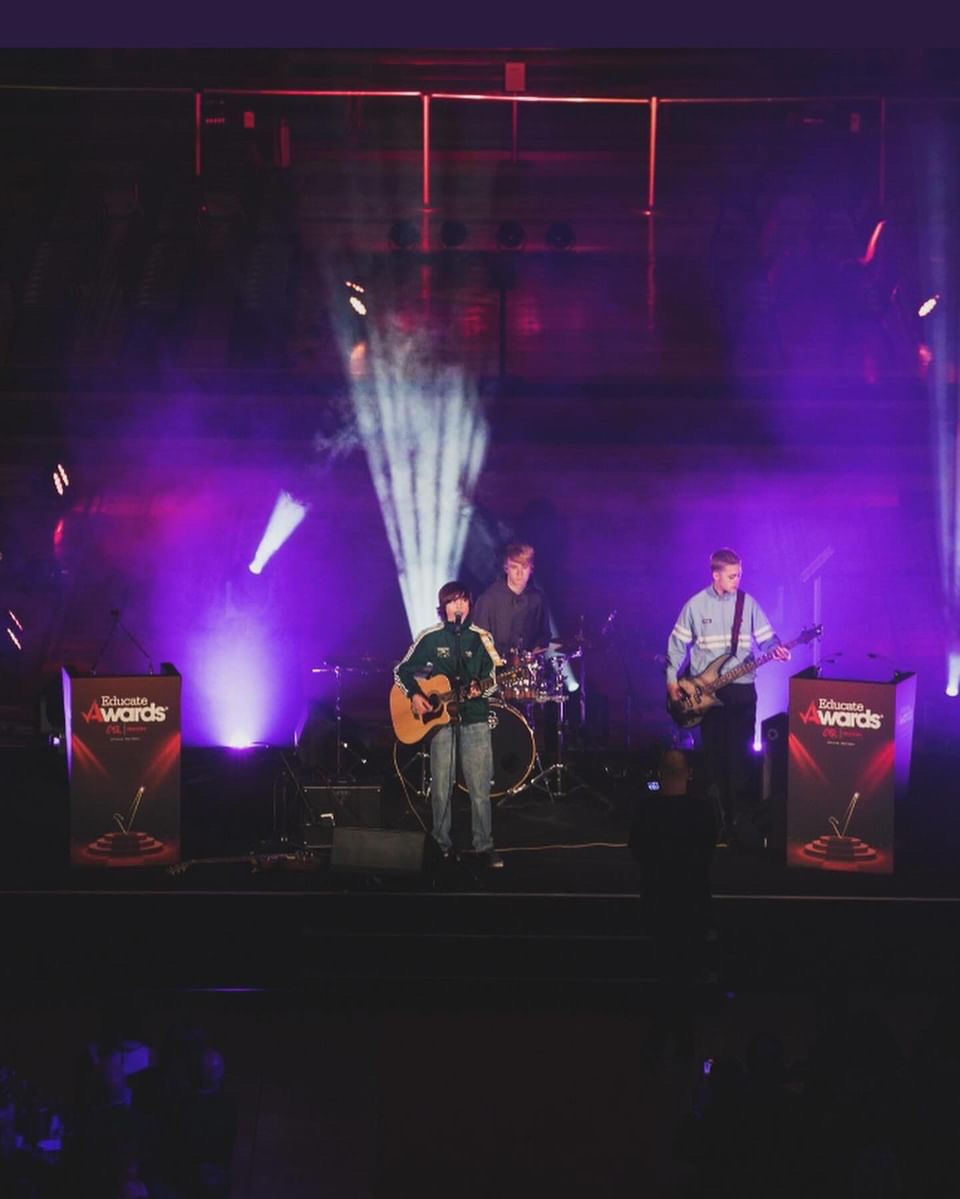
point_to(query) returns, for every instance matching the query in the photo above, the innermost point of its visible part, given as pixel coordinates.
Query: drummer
(513, 609)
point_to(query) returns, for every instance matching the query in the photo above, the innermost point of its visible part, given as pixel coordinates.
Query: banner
(849, 763)
(123, 762)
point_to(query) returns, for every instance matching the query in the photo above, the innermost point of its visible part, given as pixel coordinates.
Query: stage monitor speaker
(377, 850)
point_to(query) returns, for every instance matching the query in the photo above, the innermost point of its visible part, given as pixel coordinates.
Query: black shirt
(515, 621)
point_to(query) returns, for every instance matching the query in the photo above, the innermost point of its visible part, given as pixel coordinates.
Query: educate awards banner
(849, 765)
(123, 762)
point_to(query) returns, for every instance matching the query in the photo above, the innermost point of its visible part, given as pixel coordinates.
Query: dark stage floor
(246, 909)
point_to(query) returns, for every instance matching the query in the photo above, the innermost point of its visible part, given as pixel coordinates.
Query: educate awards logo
(840, 722)
(124, 716)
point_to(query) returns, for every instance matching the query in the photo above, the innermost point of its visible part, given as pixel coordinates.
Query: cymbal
(353, 665)
(573, 645)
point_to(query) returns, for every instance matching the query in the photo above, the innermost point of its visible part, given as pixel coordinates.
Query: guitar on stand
(698, 694)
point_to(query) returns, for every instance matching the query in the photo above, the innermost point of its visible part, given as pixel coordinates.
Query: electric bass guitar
(409, 728)
(698, 694)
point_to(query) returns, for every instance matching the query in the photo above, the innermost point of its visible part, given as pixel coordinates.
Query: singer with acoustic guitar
(717, 629)
(447, 675)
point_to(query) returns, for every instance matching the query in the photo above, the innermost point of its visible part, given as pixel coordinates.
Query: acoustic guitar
(409, 728)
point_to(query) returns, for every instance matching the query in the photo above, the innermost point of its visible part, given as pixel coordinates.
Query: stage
(249, 904)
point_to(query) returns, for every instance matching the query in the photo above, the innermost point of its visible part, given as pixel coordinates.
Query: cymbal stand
(561, 772)
(340, 777)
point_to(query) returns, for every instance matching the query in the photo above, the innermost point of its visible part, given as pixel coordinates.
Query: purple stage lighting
(287, 514)
(928, 305)
(238, 682)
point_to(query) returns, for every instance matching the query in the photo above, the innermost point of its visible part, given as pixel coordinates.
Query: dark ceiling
(695, 72)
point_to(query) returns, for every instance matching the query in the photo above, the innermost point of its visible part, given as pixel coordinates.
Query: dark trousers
(726, 734)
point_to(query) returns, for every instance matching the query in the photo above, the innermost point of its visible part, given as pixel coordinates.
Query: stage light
(425, 437)
(358, 360)
(13, 617)
(63, 474)
(358, 306)
(928, 305)
(871, 250)
(286, 516)
(403, 235)
(511, 235)
(559, 236)
(58, 482)
(13, 637)
(953, 675)
(453, 234)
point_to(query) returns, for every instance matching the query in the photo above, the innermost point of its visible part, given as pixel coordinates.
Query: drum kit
(529, 684)
(526, 684)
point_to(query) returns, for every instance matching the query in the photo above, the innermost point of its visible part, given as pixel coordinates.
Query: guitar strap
(737, 621)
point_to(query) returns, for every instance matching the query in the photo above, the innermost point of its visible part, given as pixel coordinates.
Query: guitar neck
(444, 697)
(746, 667)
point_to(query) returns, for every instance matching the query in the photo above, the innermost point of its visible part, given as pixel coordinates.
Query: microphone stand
(458, 692)
(115, 614)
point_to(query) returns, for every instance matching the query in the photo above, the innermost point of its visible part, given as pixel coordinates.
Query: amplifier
(350, 805)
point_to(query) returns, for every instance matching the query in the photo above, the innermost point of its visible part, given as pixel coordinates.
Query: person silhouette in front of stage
(458, 650)
(672, 840)
(703, 632)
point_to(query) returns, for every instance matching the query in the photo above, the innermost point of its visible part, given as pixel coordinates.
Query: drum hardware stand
(562, 771)
(342, 745)
(280, 840)
(423, 754)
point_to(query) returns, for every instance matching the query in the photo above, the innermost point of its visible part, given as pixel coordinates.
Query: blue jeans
(476, 760)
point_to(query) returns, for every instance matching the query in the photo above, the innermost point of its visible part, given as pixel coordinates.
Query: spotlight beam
(425, 438)
(286, 516)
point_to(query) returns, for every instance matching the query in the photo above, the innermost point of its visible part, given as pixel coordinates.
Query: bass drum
(514, 751)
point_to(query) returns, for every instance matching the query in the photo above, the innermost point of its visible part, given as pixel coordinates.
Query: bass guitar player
(722, 619)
